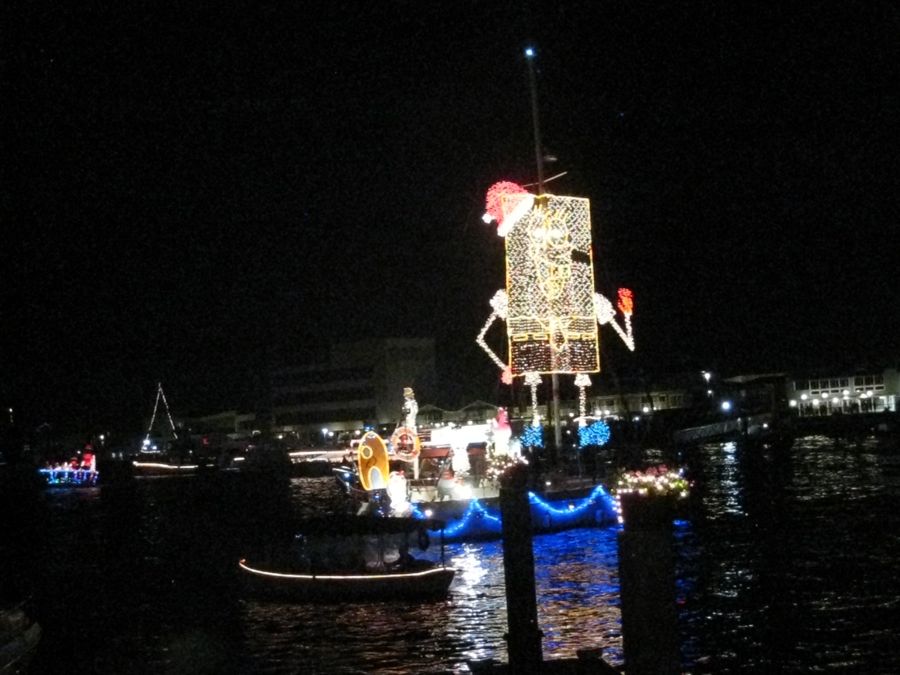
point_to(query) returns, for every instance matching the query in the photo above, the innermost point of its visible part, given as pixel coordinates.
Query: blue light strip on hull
(83, 477)
(479, 521)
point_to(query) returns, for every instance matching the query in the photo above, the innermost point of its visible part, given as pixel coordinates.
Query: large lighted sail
(550, 284)
(549, 304)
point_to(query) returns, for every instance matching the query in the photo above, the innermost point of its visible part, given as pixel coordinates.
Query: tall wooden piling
(524, 636)
(647, 581)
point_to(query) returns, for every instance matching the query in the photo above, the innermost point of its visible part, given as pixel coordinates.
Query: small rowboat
(349, 558)
(411, 584)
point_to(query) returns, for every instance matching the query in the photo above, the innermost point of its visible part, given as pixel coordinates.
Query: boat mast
(160, 395)
(530, 54)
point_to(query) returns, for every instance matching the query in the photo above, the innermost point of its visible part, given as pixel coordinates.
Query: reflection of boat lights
(349, 577)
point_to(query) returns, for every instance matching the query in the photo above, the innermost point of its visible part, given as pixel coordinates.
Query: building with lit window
(860, 392)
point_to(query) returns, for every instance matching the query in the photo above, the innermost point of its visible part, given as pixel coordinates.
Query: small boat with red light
(78, 472)
(352, 558)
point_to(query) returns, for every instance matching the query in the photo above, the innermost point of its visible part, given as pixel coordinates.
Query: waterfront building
(869, 391)
(359, 385)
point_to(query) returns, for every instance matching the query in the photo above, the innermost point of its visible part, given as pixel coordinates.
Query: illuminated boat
(352, 558)
(77, 473)
(468, 502)
(69, 477)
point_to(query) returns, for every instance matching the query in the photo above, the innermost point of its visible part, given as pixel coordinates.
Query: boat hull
(429, 583)
(479, 519)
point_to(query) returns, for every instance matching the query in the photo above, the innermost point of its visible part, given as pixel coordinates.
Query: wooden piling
(647, 581)
(524, 636)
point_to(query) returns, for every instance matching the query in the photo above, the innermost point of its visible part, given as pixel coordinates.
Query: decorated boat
(79, 472)
(466, 501)
(70, 477)
(166, 455)
(352, 558)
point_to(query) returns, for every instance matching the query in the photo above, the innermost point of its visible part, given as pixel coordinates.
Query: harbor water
(786, 564)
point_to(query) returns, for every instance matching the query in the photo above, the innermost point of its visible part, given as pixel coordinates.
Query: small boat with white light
(343, 559)
(159, 468)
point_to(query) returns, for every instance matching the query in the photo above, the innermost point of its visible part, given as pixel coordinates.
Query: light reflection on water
(799, 578)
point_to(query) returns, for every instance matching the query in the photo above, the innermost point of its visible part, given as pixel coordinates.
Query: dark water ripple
(793, 569)
(787, 565)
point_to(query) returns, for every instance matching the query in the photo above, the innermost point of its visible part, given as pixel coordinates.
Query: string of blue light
(476, 510)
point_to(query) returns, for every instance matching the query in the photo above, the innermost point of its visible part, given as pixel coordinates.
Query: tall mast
(530, 55)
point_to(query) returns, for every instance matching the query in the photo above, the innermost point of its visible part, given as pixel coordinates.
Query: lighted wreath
(498, 464)
(654, 480)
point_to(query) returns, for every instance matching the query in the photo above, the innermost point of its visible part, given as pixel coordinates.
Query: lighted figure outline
(550, 307)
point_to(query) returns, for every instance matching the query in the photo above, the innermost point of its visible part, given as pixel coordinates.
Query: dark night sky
(189, 194)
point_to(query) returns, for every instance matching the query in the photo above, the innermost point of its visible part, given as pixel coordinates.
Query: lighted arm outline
(499, 305)
(606, 314)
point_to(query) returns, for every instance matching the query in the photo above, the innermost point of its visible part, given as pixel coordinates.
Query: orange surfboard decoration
(372, 461)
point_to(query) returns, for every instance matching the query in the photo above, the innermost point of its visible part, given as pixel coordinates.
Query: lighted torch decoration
(550, 307)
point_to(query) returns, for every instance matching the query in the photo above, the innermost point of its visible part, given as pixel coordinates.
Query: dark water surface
(786, 565)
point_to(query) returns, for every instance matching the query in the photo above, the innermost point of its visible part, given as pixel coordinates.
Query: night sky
(191, 194)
